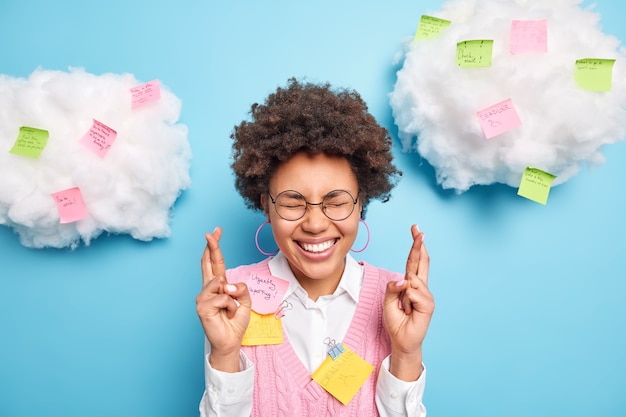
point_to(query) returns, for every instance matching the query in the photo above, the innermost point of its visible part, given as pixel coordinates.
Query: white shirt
(230, 394)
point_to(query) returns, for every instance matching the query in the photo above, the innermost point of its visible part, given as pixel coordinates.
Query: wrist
(225, 361)
(406, 366)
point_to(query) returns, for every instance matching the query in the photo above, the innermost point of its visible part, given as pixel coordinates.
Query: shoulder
(382, 275)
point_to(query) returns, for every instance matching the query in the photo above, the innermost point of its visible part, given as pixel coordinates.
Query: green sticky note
(535, 185)
(594, 74)
(430, 27)
(474, 53)
(30, 142)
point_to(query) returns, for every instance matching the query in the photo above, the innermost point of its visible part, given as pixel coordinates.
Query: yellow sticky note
(343, 376)
(30, 142)
(263, 329)
(474, 53)
(594, 74)
(430, 27)
(535, 185)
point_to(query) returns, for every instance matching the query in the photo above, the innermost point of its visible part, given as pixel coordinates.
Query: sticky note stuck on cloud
(594, 74)
(474, 53)
(30, 142)
(535, 185)
(529, 36)
(145, 93)
(70, 205)
(99, 138)
(498, 119)
(430, 27)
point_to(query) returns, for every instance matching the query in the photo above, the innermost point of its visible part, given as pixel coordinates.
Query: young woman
(311, 158)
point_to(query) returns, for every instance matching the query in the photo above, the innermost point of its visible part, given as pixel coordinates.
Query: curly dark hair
(315, 119)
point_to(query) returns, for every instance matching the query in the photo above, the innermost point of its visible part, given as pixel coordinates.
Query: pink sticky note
(266, 292)
(99, 138)
(529, 36)
(498, 119)
(70, 205)
(145, 93)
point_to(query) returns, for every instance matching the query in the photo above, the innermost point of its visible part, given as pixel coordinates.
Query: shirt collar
(350, 282)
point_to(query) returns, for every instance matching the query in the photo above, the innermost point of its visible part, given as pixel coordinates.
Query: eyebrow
(292, 193)
(297, 194)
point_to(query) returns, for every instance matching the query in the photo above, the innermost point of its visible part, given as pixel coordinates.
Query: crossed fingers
(212, 261)
(417, 265)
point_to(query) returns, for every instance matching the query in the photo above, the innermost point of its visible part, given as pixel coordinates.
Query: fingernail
(231, 288)
(237, 303)
(399, 304)
(399, 283)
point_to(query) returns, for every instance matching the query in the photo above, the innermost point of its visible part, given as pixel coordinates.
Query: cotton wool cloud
(128, 186)
(562, 126)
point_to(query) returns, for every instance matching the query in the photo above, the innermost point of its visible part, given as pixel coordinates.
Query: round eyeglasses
(336, 205)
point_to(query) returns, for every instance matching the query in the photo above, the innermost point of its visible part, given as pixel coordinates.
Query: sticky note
(343, 376)
(30, 142)
(474, 53)
(430, 27)
(70, 205)
(145, 93)
(594, 74)
(529, 36)
(535, 185)
(263, 329)
(99, 138)
(266, 292)
(498, 119)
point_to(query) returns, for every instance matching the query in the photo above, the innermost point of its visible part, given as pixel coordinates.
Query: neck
(318, 287)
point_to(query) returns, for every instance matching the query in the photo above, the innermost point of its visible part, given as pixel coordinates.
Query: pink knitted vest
(283, 387)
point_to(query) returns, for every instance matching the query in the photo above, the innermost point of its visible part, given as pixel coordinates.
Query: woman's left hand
(409, 306)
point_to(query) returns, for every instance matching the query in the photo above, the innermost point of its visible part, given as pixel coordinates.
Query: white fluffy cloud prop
(128, 191)
(564, 127)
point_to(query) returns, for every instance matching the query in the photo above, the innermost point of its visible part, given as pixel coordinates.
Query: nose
(314, 219)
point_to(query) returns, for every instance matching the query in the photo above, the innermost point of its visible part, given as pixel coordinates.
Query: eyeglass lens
(336, 205)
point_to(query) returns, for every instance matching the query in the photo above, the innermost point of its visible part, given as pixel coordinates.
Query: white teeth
(317, 247)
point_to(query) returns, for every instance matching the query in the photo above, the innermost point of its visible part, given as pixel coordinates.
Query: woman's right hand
(223, 308)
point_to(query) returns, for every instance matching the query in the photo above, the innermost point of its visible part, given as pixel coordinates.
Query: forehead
(314, 175)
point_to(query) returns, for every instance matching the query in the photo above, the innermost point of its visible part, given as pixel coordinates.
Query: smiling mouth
(317, 247)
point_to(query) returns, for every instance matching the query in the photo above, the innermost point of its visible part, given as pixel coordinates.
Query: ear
(265, 203)
(360, 207)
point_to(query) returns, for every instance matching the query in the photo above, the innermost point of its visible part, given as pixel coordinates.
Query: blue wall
(530, 315)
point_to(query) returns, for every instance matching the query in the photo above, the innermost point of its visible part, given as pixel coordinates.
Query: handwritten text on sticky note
(266, 292)
(594, 74)
(535, 185)
(263, 329)
(145, 93)
(343, 376)
(529, 36)
(70, 205)
(498, 119)
(30, 142)
(99, 138)
(474, 53)
(430, 27)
